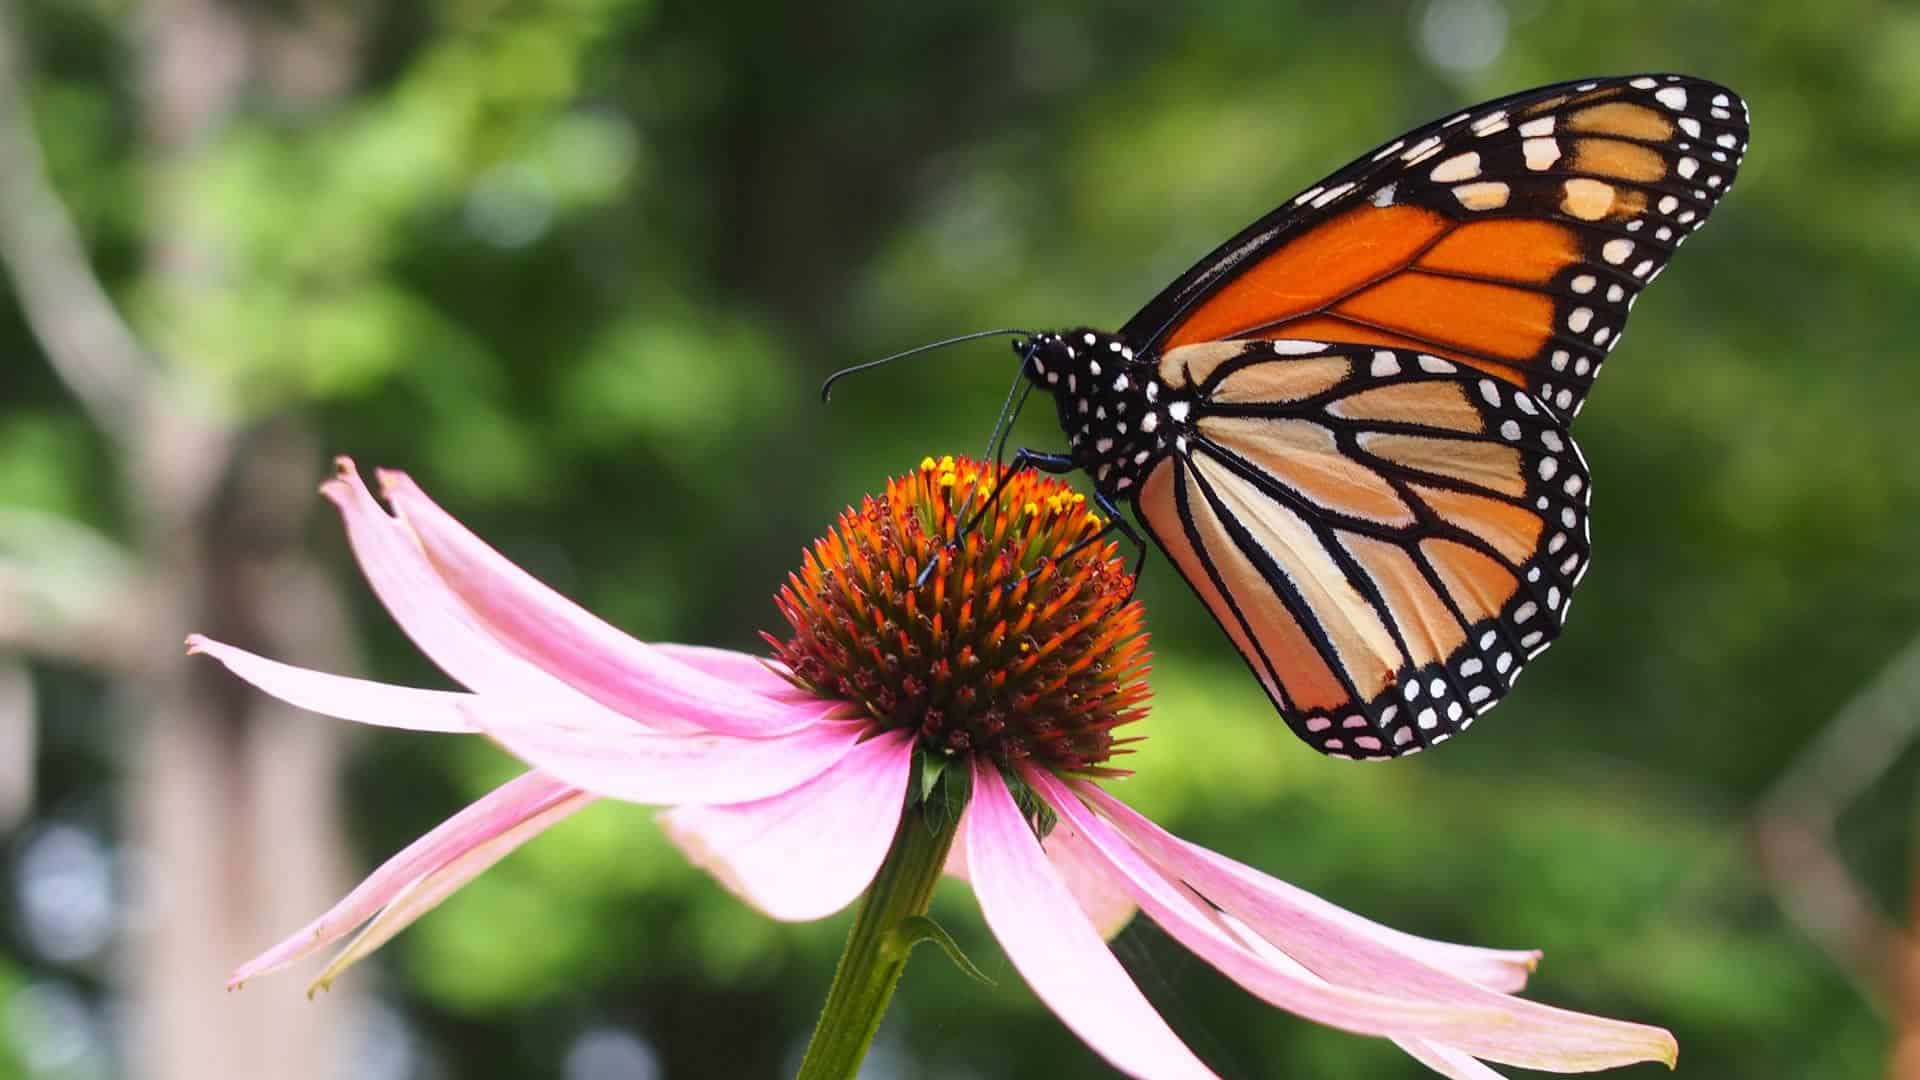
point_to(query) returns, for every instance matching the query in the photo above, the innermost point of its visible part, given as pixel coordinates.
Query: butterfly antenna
(996, 451)
(826, 388)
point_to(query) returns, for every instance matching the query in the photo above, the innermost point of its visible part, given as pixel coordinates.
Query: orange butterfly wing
(1387, 536)
(1512, 238)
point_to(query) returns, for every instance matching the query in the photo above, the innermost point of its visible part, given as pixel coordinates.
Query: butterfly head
(1109, 401)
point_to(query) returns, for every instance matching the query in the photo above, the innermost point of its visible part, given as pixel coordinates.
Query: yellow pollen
(926, 464)
(946, 479)
(1093, 519)
(1032, 510)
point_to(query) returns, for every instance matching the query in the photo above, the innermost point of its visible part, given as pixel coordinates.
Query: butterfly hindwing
(1512, 237)
(1387, 536)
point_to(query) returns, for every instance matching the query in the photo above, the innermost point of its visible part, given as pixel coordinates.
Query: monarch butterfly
(1347, 427)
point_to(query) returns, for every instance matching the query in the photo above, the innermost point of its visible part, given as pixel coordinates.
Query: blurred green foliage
(578, 265)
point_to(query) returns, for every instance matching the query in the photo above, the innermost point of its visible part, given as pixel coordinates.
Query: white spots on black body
(1331, 194)
(1422, 150)
(1296, 347)
(1458, 167)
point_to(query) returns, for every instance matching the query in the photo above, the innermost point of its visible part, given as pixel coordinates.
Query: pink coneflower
(907, 726)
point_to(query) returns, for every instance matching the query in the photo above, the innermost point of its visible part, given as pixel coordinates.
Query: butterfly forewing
(1512, 237)
(1387, 536)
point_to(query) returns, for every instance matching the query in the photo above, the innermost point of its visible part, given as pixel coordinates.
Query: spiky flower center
(1020, 642)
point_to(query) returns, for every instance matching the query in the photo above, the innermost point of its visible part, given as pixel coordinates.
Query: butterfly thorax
(1113, 407)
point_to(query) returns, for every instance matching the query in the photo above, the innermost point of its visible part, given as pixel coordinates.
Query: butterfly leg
(1023, 459)
(1116, 523)
(1119, 523)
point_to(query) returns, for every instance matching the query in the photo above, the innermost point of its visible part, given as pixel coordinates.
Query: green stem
(878, 947)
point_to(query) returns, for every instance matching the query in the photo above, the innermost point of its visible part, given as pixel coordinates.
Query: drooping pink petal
(529, 799)
(619, 759)
(423, 894)
(358, 700)
(1447, 1061)
(1369, 987)
(811, 851)
(1054, 947)
(441, 626)
(1443, 1059)
(573, 644)
(1108, 907)
(1496, 969)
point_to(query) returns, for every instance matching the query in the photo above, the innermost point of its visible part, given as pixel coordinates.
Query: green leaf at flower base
(915, 929)
(943, 791)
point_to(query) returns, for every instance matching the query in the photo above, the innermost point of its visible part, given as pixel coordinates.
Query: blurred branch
(1906, 1047)
(65, 591)
(90, 347)
(1792, 828)
(17, 738)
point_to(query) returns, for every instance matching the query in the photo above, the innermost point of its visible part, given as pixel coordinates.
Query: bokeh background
(578, 265)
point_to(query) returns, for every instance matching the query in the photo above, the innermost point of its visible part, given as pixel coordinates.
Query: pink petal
(616, 758)
(424, 894)
(440, 625)
(358, 700)
(1425, 1002)
(762, 676)
(1055, 948)
(1108, 906)
(1447, 1061)
(560, 637)
(1496, 969)
(811, 851)
(518, 809)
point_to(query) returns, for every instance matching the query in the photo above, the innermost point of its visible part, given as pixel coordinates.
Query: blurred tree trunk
(234, 800)
(230, 804)
(1906, 1046)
